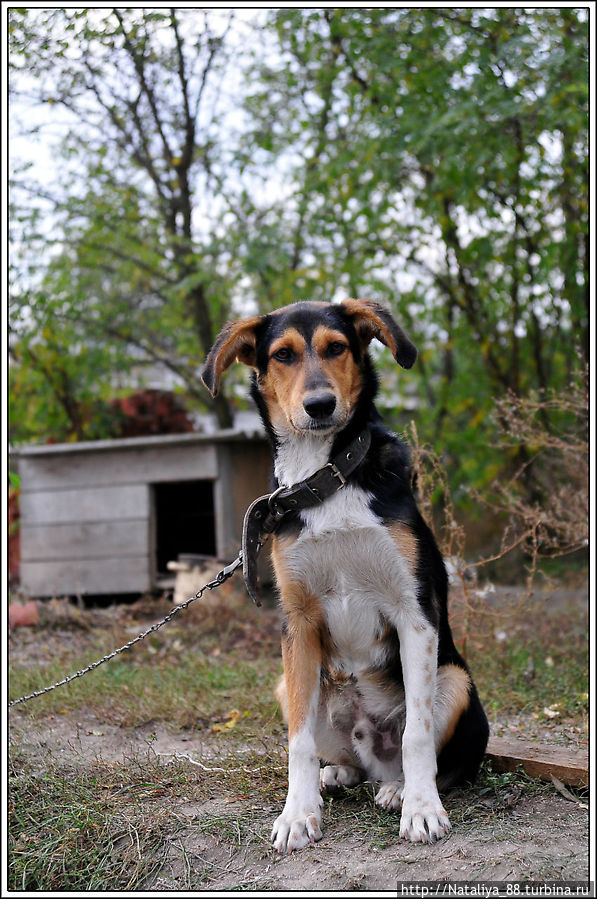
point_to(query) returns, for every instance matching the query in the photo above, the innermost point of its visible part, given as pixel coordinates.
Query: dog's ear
(236, 342)
(372, 320)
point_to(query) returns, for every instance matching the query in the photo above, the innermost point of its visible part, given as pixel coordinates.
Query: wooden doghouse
(106, 517)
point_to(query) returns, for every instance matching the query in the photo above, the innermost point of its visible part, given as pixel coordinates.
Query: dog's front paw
(423, 819)
(296, 827)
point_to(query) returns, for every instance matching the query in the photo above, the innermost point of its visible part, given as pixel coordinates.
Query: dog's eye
(284, 354)
(336, 348)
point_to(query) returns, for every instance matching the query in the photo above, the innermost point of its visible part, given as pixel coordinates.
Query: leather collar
(265, 514)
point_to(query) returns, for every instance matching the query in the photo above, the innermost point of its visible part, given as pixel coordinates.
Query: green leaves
(451, 150)
(434, 158)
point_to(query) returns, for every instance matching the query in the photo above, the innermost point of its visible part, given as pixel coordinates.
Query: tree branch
(139, 66)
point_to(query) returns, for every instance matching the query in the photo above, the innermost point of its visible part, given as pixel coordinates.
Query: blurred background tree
(435, 159)
(442, 159)
(135, 265)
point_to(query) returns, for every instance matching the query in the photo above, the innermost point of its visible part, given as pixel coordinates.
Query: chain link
(219, 579)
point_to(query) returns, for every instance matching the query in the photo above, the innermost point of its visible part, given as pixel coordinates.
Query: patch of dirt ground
(347, 862)
(223, 845)
(513, 832)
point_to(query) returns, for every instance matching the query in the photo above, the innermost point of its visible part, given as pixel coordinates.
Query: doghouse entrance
(185, 521)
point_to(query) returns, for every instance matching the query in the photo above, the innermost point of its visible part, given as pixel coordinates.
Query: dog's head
(308, 359)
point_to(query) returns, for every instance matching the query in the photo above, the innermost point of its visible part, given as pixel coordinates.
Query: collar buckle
(336, 473)
(277, 511)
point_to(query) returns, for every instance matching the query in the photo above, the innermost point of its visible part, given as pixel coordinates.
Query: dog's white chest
(348, 509)
(346, 557)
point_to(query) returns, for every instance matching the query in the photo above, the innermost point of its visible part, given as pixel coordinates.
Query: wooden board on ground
(542, 760)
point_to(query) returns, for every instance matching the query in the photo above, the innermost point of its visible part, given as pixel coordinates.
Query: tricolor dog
(373, 684)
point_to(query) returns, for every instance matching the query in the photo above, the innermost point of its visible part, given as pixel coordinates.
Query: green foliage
(135, 275)
(59, 384)
(441, 157)
(435, 159)
(522, 676)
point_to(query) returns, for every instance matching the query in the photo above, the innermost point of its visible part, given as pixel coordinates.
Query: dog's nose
(320, 405)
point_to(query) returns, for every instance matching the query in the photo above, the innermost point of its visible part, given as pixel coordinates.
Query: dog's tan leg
(299, 823)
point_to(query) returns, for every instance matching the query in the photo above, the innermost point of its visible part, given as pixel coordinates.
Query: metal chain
(219, 579)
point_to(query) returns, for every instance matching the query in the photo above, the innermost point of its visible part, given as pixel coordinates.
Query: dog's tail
(460, 759)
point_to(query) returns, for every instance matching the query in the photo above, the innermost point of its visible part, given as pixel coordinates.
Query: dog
(373, 684)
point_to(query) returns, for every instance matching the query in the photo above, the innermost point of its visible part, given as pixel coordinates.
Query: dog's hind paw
(295, 829)
(334, 777)
(389, 794)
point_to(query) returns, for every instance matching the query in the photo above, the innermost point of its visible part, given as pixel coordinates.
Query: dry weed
(544, 501)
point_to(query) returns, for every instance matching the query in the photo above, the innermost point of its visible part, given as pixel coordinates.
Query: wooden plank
(73, 578)
(248, 432)
(244, 474)
(540, 760)
(84, 540)
(85, 504)
(153, 464)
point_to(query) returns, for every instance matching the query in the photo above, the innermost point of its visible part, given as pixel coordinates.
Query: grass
(116, 827)
(126, 826)
(190, 693)
(197, 673)
(82, 830)
(193, 676)
(531, 661)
